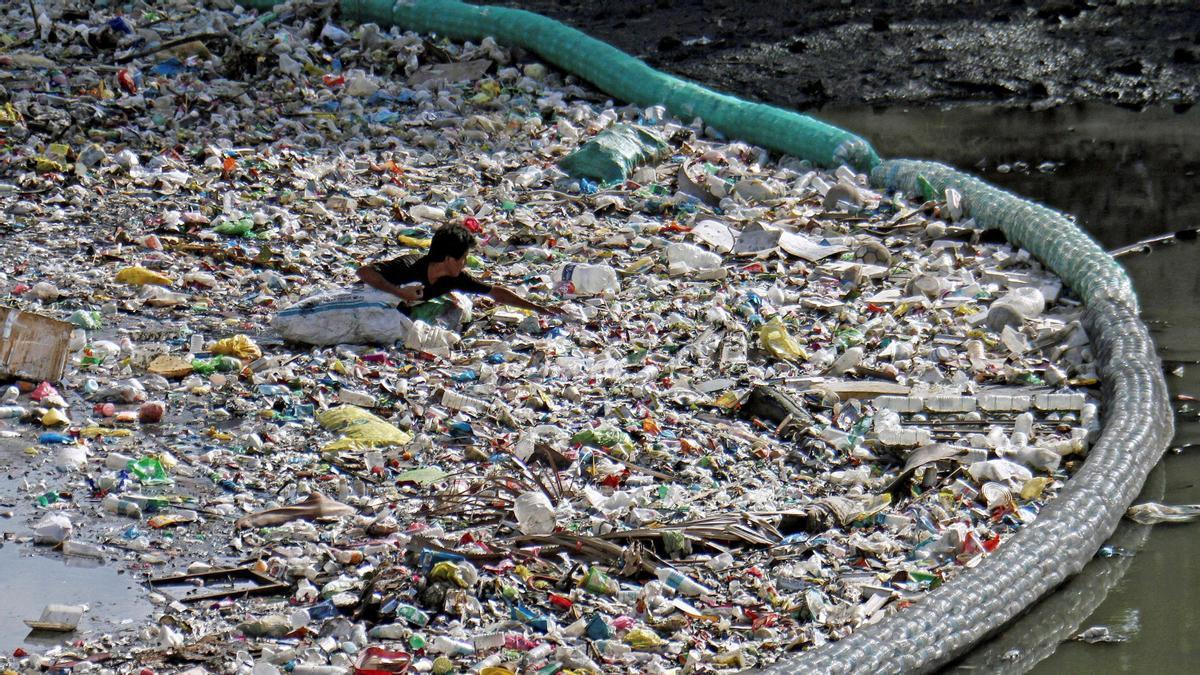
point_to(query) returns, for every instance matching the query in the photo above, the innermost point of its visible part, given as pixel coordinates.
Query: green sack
(614, 153)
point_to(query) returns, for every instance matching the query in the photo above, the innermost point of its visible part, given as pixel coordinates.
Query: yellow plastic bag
(238, 346)
(140, 276)
(643, 639)
(104, 432)
(359, 429)
(55, 417)
(776, 339)
(415, 242)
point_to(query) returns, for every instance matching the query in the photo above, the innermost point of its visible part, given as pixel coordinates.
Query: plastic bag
(776, 340)
(430, 339)
(140, 276)
(344, 317)
(359, 429)
(610, 438)
(240, 346)
(52, 529)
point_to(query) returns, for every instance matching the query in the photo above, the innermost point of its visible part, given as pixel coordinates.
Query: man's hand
(411, 293)
(503, 295)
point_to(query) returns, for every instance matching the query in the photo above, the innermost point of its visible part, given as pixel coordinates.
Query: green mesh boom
(618, 74)
(1049, 235)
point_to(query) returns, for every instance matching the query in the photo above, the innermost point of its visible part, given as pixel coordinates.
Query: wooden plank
(33, 347)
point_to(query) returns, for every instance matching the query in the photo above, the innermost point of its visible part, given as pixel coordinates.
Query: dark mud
(805, 55)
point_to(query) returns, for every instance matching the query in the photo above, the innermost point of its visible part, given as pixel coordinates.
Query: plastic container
(1015, 308)
(683, 258)
(584, 279)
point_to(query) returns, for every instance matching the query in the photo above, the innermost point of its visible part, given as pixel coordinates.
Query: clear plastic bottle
(444, 645)
(584, 279)
(121, 507)
(426, 212)
(680, 582)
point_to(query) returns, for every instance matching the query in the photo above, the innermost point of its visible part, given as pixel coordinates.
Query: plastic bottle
(389, 631)
(411, 614)
(996, 402)
(425, 212)
(121, 507)
(487, 641)
(456, 401)
(950, 404)
(1059, 402)
(315, 669)
(444, 645)
(584, 279)
(680, 582)
(82, 549)
(1023, 425)
(11, 412)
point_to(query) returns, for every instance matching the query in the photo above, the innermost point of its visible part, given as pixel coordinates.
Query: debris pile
(778, 405)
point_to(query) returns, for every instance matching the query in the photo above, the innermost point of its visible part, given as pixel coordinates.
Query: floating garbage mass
(770, 405)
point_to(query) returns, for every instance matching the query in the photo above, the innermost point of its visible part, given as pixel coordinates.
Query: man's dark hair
(450, 241)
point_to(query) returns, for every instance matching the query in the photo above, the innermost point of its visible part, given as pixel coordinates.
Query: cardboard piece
(33, 347)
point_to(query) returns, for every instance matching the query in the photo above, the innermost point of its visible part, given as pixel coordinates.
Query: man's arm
(503, 295)
(371, 277)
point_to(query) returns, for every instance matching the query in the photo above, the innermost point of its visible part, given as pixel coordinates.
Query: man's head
(451, 242)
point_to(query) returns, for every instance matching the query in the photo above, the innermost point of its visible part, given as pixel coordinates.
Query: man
(438, 272)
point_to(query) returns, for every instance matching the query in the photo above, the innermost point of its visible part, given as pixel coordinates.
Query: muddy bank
(804, 56)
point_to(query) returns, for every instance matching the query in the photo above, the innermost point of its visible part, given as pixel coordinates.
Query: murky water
(33, 579)
(1126, 176)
